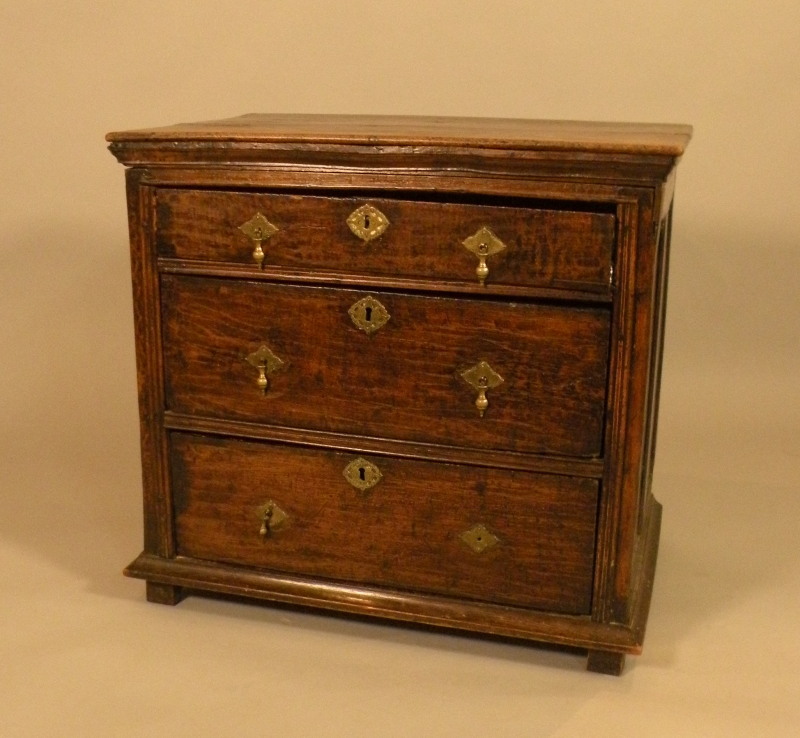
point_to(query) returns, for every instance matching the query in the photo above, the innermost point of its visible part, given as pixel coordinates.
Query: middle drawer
(472, 373)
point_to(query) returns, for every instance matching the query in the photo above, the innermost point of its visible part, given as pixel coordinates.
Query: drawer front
(423, 240)
(412, 379)
(508, 537)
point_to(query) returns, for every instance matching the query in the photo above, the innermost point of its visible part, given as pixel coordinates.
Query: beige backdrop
(82, 654)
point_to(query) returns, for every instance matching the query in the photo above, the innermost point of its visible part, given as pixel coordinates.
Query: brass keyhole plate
(367, 222)
(362, 474)
(369, 315)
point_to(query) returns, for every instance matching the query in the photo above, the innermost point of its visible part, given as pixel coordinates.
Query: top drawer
(406, 239)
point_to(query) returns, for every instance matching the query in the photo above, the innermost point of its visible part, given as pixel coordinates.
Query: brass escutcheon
(272, 518)
(367, 222)
(483, 378)
(266, 362)
(362, 474)
(483, 243)
(479, 538)
(368, 314)
(258, 229)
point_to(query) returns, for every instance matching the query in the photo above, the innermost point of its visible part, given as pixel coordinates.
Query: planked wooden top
(376, 130)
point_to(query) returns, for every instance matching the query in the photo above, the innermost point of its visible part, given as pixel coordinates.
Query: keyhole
(366, 222)
(368, 318)
(362, 473)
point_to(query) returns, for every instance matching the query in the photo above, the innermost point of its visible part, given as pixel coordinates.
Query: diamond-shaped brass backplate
(479, 538)
(258, 228)
(362, 474)
(482, 376)
(266, 362)
(263, 358)
(484, 243)
(367, 222)
(272, 517)
(368, 314)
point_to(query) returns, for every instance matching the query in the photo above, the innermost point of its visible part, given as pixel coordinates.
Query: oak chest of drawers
(404, 367)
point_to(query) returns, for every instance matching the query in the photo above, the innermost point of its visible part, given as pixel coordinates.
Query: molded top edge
(424, 131)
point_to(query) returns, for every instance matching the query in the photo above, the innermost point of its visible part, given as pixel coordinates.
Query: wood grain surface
(404, 532)
(491, 133)
(402, 381)
(571, 318)
(556, 247)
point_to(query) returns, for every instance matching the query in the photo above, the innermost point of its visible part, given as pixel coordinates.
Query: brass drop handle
(266, 520)
(258, 229)
(483, 378)
(266, 362)
(258, 253)
(272, 517)
(483, 243)
(482, 401)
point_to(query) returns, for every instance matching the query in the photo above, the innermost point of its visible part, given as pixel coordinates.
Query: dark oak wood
(592, 468)
(404, 533)
(610, 152)
(484, 617)
(147, 324)
(559, 249)
(585, 293)
(163, 594)
(606, 662)
(572, 317)
(486, 133)
(383, 602)
(403, 381)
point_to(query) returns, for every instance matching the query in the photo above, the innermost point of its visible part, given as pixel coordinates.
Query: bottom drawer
(500, 536)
